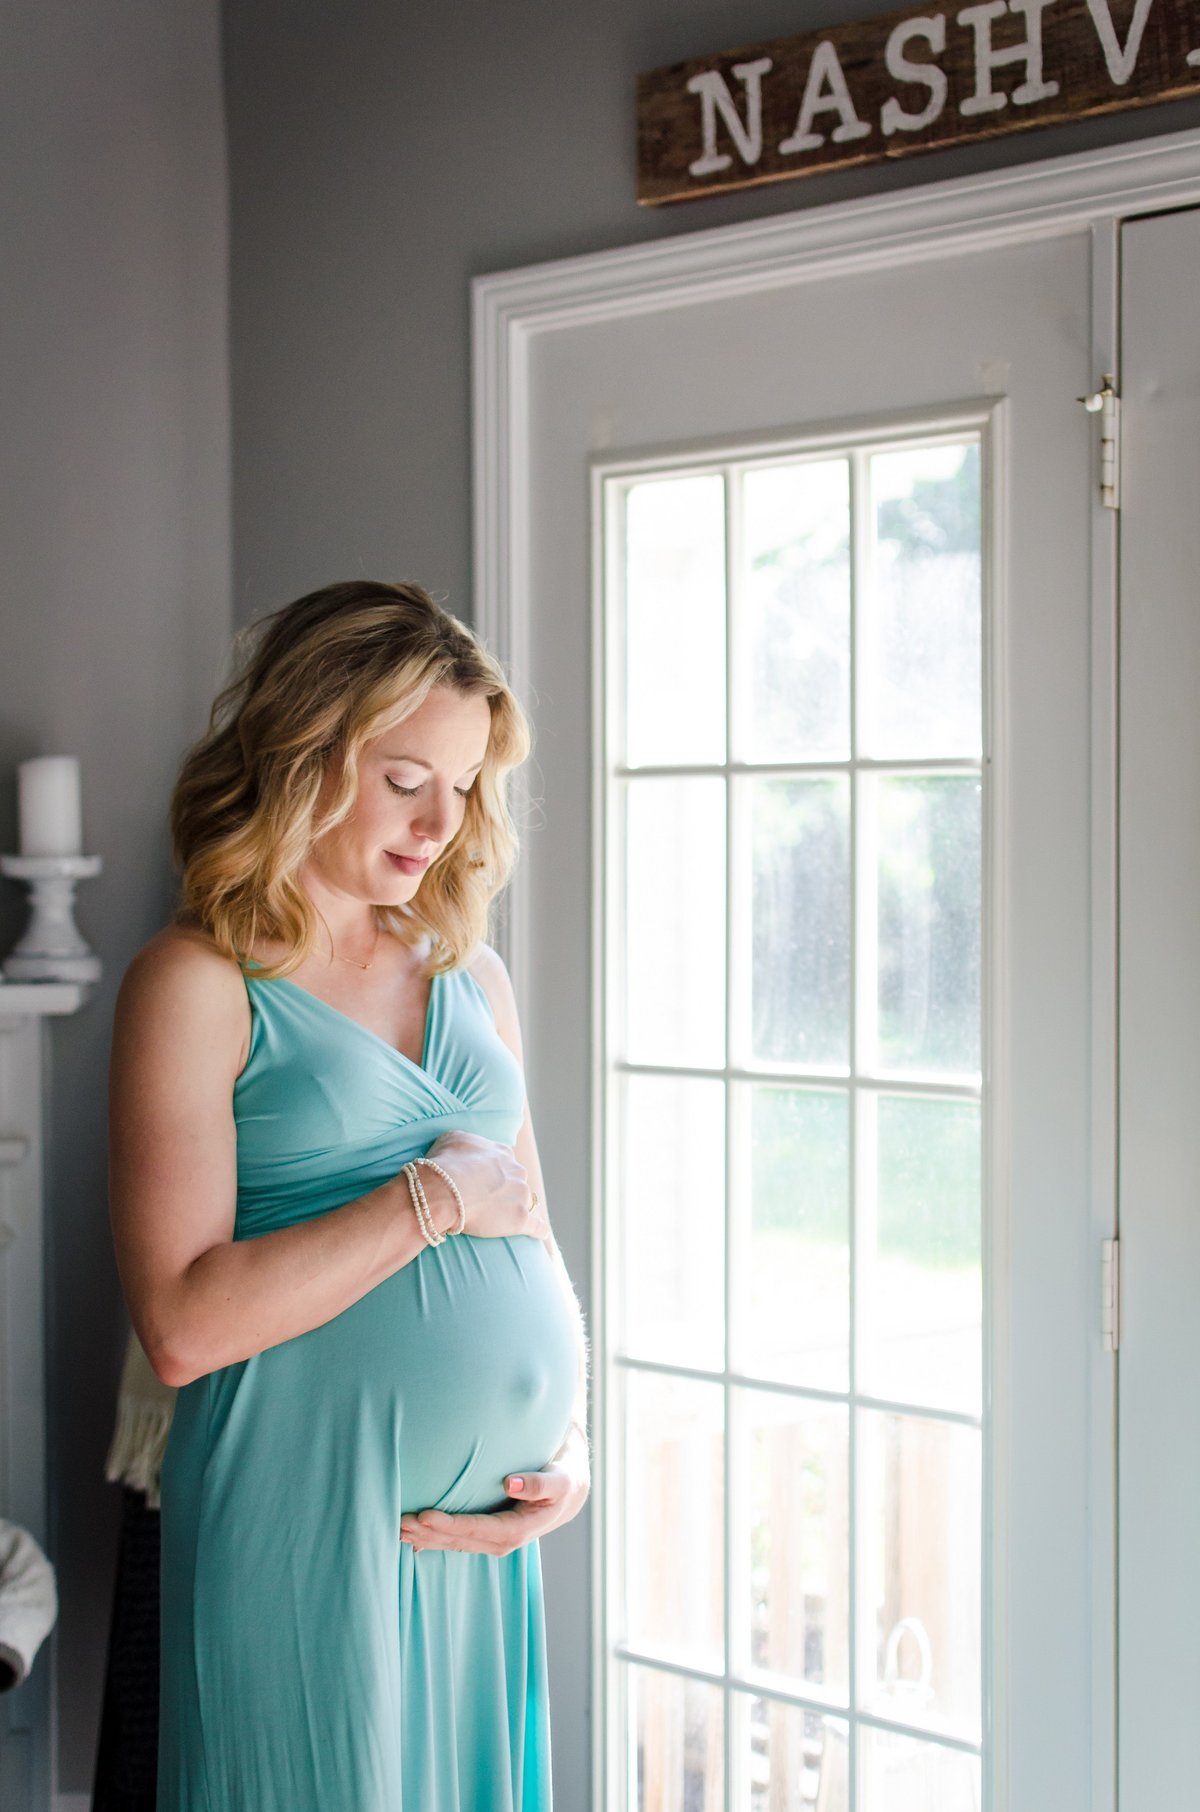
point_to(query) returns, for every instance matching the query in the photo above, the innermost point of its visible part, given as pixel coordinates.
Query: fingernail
(516, 1484)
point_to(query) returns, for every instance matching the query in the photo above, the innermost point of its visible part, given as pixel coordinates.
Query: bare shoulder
(180, 982)
(183, 958)
(489, 970)
(488, 967)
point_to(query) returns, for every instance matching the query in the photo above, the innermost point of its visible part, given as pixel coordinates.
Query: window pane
(901, 1774)
(855, 895)
(921, 692)
(792, 656)
(919, 1548)
(677, 1734)
(675, 921)
(675, 621)
(675, 1517)
(793, 1315)
(929, 934)
(920, 1291)
(799, 1538)
(800, 912)
(673, 1220)
(796, 1760)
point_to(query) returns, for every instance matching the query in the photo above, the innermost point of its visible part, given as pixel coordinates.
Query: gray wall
(380, 156)
(114, 506)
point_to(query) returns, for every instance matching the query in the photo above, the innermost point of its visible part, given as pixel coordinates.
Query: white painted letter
(1120, 60)
(715, 98)
(986, 59)
(824, 68)
(893, 118)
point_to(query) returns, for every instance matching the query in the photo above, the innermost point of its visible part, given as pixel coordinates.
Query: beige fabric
(145, 1406)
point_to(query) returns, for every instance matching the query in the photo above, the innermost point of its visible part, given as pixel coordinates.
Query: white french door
(989, 350)
(801, 561)
(1159, 1367)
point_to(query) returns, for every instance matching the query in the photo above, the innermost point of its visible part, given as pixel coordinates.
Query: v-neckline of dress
(403, 1056)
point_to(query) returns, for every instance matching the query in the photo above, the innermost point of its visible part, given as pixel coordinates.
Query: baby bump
(469, 1358)
(458, 1369)
(483, 1344)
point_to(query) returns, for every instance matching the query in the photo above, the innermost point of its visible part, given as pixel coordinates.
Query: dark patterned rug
(127, 1751)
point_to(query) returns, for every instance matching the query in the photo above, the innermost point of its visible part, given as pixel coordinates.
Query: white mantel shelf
(24, 998)
(27, 1038)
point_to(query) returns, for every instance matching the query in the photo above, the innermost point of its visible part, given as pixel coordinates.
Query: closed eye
(410, 792)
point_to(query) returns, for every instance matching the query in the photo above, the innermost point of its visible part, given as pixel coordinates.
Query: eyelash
(410, 792)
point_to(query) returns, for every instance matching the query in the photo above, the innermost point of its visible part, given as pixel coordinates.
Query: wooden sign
(909, 81)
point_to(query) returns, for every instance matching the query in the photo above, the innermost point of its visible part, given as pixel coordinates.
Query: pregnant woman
(331, 1232)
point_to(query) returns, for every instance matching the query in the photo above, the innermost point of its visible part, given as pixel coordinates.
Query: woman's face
(412, 786)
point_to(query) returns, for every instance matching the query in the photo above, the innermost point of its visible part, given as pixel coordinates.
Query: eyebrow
(417, 762)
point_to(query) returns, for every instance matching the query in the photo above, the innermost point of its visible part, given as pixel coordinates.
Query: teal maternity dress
(311, 1662)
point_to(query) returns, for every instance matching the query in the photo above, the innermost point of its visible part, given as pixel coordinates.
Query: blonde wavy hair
(313, 683)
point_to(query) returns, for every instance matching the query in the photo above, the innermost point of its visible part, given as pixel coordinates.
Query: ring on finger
(533, 1202)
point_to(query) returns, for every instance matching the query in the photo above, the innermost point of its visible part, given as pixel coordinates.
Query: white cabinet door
(1159, 1367)
(1001, 337)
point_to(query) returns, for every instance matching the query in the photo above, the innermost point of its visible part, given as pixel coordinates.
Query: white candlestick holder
(52, 948)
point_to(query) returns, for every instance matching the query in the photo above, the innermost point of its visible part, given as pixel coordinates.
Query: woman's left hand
(545, 1500)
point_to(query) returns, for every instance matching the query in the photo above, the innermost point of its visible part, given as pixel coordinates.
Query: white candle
(50, 809)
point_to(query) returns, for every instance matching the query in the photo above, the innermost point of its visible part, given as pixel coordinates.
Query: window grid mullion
(732, 1509)
(895, 1083)
(779, 1688)
(797, 769)
(858, 559)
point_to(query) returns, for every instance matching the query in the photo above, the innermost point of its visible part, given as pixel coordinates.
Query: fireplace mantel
(27, 1770)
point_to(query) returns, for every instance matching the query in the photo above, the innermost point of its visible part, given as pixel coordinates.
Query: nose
(434, 820)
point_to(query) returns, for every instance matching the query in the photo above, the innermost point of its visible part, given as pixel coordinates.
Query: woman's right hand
(494, 1185)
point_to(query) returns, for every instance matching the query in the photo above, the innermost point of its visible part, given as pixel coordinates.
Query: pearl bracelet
(460, 1225)
(421, 1207)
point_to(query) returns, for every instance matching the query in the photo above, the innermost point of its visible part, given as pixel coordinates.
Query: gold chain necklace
(354, 959)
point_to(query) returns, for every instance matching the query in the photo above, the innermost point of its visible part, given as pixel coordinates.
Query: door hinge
(1110, 1293)
(1107, 404)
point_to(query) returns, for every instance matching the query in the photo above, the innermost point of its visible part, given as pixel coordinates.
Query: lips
(408, 865)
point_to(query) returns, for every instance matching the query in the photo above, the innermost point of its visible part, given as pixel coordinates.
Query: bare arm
(199, 1300)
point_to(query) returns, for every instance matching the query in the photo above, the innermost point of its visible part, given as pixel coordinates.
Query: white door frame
(1091, 191)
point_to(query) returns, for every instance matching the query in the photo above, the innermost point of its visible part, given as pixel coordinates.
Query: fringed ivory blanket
(144, 1409)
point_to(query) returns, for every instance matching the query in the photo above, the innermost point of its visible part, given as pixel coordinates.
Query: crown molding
(995, 207)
